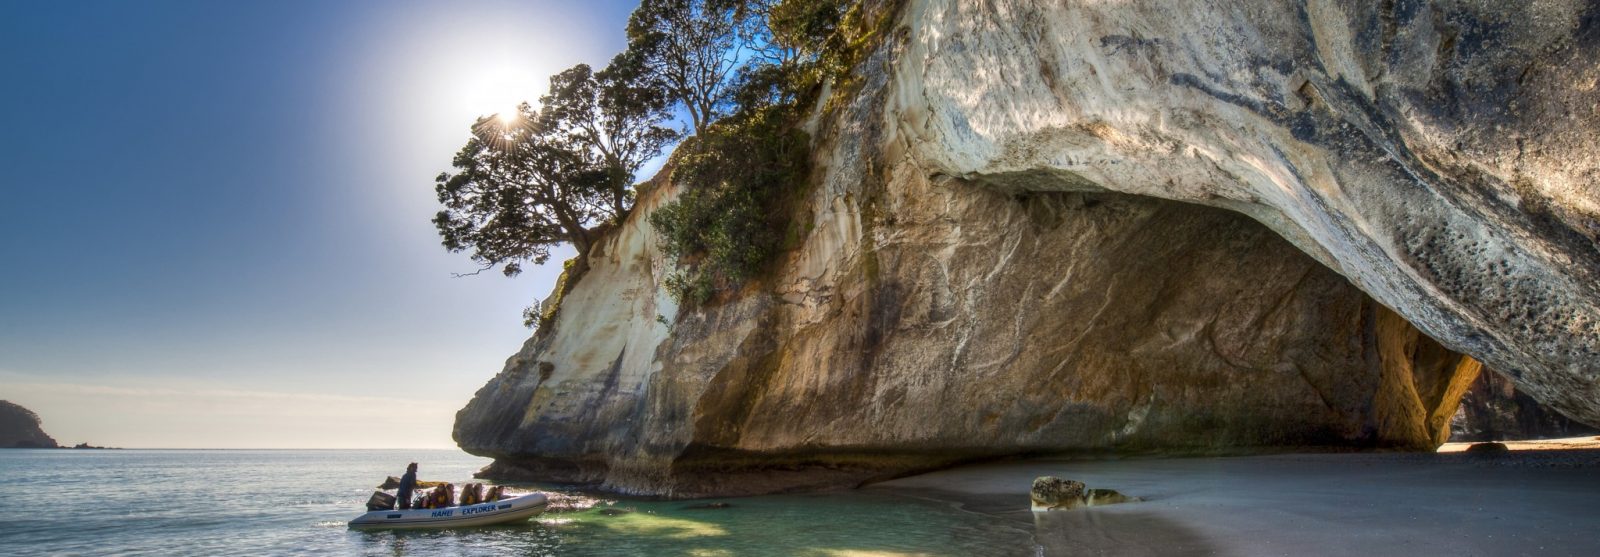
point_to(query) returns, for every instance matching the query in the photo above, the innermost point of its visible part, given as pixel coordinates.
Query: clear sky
(214, 215)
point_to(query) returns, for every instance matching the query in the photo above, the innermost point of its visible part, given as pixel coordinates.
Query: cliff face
(1440, 155)
(19, 429)
(1493, 409)
(1003, 256)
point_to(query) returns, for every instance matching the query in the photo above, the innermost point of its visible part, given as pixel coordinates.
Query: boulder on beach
(1052, 493)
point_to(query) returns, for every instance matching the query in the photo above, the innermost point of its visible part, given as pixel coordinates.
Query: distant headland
(20, 429)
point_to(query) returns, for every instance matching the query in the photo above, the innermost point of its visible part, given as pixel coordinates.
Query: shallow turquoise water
(139, 502)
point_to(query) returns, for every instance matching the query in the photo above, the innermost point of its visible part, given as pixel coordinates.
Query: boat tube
(482, 514)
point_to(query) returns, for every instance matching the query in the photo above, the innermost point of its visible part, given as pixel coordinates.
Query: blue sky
(215, 214)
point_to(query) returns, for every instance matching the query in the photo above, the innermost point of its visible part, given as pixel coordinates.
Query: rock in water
(1098, 497)
(1487, 448)
(709, 506)
(1003, 252)
(1050, 492)
(19, 429)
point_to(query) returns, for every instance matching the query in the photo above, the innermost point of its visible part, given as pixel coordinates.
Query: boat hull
(515, 509)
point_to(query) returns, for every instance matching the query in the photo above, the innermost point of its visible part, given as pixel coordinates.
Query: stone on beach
(1052, 493)
(1487, 448)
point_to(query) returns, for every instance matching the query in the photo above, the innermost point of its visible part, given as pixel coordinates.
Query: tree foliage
(613, 116)
(690, 48)
(515, 194)
(737, 175)
(738, 69)
(547, 176)
(727, 222)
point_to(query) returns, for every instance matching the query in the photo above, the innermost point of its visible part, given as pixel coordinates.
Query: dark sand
(1534, 500)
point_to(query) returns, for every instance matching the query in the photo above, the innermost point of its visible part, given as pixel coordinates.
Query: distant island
(20, 429)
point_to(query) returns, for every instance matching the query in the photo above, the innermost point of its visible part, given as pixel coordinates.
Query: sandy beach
(1536, 499)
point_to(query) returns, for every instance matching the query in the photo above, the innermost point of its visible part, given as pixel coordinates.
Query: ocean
(296, 502)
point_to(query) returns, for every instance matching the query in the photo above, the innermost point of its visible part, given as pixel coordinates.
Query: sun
(495, 88)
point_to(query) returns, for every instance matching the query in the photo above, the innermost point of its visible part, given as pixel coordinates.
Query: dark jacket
(408, 483)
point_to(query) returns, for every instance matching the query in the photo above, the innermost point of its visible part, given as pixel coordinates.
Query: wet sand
(1533, 500)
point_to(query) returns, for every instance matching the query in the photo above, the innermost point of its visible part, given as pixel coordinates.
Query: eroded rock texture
(1002, 256)
(1438, 154)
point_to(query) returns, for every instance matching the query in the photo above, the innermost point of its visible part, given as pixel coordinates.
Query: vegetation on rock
(725, 225)
(739, 69)
(539, 178)
(738, 175)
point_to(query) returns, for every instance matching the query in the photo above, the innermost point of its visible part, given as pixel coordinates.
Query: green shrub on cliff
(539, 315)
(739, 176)
(725, 225)
(739, 69)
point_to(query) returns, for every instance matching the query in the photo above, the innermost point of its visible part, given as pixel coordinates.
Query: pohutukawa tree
(516, 192)
(547, 177)
(553, 175)
(691, 49)
(613, 116)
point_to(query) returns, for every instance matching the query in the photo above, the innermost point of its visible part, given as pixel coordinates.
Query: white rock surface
(976, 281)
(1441, 155)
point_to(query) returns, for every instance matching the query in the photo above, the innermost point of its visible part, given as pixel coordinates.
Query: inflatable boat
(495, 512)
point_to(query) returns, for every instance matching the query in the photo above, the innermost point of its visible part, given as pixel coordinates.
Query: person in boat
(408, 483)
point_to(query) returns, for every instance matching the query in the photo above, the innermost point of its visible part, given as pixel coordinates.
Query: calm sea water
(216, 502)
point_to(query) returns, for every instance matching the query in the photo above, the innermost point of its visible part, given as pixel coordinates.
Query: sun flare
(496, 88)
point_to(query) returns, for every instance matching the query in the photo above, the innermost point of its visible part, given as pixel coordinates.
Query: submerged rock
(709, 506)
(1097, 497)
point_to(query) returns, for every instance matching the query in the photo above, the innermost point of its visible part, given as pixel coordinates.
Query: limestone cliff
(1002, 256)
(1493, 409)
(19, 429)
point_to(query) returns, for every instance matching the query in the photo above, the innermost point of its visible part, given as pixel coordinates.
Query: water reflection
(297, 503)
(848, 524)
(1123, 531)
(532, 538)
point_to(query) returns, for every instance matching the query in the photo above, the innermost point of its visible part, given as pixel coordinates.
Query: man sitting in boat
(408, 483)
